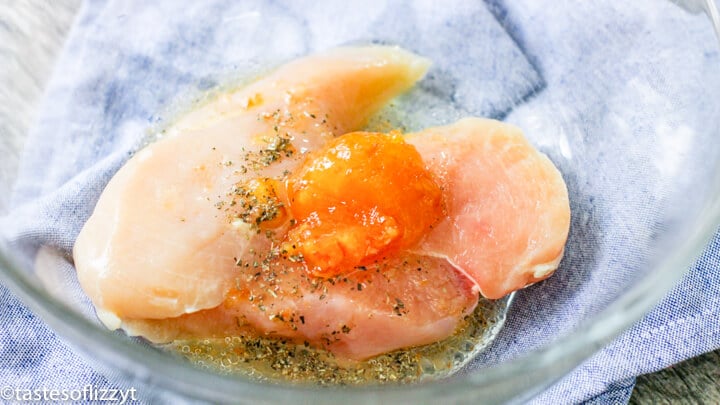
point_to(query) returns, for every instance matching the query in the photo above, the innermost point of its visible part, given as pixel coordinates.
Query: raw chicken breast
(406, 302)
(508, 213)
(505, 225)
(159, 243)
(189, 240)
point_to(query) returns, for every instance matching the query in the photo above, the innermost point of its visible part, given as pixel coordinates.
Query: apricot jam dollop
(360, 198)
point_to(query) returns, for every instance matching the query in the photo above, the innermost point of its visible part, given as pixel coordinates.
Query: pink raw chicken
(156, 245)
(408, 301)
(507, 205)
(503, 198)
(158, 260)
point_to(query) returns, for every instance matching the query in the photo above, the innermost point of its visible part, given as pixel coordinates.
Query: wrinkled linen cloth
(127, 63)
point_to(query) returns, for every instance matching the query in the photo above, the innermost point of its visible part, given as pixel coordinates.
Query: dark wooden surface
(30, 39)
(695, 381)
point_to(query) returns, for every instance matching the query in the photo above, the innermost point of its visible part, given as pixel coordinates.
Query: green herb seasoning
(254, 203)
(282, 360)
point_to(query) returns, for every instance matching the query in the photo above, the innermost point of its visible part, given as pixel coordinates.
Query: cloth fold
(127, 63)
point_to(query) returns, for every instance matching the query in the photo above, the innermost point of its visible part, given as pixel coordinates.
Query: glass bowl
(621, 97)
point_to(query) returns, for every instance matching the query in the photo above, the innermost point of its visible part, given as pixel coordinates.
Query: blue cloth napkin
(127, 61)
